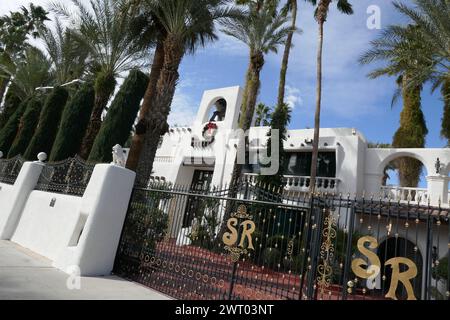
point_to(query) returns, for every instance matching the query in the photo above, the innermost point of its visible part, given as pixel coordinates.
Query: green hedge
(73, 125)
(48, 123)
(26, 128)
(9, 131)
(12, 102)
(121, 115)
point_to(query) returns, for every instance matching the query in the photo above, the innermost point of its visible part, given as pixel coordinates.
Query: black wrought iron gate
(257, 245)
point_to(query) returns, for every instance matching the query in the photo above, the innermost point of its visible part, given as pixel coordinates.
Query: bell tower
(221, 106)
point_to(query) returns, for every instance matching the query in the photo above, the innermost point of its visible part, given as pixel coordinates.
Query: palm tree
(291, 6)
(149, 32)
(103, 28)
(187, 24)
(431, 17)
(262, 30)
(68, 56)
(321, 15)
(31, 72)
(262, 115)
(406, 51)
(15, 29)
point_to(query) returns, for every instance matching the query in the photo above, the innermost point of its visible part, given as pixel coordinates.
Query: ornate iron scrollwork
(69, 176)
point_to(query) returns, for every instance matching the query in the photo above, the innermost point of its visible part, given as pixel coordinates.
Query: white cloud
(183, 110)
(184, 105)
(293, 97)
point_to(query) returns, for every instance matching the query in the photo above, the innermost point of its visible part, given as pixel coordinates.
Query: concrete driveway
(25, 275)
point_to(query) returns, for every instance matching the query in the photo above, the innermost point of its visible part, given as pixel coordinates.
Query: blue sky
(349, 98)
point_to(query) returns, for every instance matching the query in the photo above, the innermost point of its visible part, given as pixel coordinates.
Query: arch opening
(405, 179)
(406, 172)
(217, 111)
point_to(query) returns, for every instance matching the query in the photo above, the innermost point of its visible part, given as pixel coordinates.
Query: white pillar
(13, 198)
(438, 189)
(372, 184)
(104, 206)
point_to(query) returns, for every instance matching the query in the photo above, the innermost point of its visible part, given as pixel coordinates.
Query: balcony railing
(403, 194)
(301, 183)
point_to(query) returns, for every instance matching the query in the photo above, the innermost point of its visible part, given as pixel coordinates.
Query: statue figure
(221, 109)
(118, 156)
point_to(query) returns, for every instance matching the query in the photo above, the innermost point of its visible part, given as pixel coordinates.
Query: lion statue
(118, 156)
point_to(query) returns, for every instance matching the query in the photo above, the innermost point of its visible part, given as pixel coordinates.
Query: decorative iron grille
(10, 169)
(252, 243)
(69, 176)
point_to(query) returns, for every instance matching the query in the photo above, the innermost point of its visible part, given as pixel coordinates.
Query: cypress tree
(26, 129)
(280, 119)
(8, 132)
(445, 129)
(73, 125)
(411, 134)
(48, 123)
(119, 120)
(11, 104)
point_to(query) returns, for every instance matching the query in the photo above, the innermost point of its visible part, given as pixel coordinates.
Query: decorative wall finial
(42, 156)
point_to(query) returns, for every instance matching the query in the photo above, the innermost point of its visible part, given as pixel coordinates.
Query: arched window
(218, 111)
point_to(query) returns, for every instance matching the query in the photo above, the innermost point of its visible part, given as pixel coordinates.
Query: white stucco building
(346, 163)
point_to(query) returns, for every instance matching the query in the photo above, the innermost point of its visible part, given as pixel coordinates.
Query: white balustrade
(165, 159)
(403, 194)
(302, 183)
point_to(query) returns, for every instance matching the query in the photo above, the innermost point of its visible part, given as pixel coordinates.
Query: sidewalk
(26, 275)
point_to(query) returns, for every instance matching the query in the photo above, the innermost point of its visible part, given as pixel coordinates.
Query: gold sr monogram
(230, 238)
(373, 270)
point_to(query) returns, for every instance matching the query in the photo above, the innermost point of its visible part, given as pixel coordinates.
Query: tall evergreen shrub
(118, 122)
(12, 102)
(74, 122)
(48, 123)
(26, 129)
(9, 131)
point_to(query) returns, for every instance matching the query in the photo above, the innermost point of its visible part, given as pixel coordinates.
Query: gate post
(348, 252)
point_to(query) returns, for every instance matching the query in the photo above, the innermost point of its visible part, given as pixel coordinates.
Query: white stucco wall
(98, 216)
(13, 197)
(105, 204)
(44, 229)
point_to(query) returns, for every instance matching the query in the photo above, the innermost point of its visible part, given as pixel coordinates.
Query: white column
(438, 189)
(104, 206)
(372, 184)
(13, 198)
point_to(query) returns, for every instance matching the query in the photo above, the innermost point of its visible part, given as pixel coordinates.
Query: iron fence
(253, 243)
(69, 176)
(9, 169)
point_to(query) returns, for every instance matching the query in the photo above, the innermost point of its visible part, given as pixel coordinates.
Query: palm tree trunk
(245, 94)
(141, 128)
(157, 120)
(256, 65)
(287, 50)
(3, 85)
(105, 86)
(315, 151)
(445, 125)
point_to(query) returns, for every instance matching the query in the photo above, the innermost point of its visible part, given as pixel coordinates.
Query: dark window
(299, 164)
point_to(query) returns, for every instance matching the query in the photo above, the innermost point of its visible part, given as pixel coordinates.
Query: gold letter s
(375, 265)
(230, 238)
